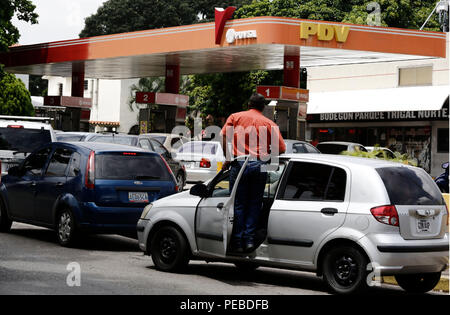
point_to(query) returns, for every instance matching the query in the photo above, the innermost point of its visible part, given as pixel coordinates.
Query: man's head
(257, 101)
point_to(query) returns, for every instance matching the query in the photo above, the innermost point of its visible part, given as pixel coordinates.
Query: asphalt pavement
(32, 262)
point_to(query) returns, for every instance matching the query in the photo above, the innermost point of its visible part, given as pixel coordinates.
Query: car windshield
(115, 139)
(407, 186)
(330, 148)
(204, 148)
(120, 166)
(69, 138)
(161, 139)
(22, 139)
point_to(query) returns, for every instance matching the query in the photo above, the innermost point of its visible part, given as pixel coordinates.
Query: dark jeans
(248, 202)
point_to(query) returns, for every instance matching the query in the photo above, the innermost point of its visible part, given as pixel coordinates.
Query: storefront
(422, 134)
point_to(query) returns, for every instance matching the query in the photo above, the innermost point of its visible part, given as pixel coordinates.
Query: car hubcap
(180, 181)
(168, 248)
(64, 227)
(346, 270)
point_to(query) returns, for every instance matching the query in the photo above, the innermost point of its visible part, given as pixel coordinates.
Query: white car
(202, 159)
(19, 136)
(383, 151)
(345, 218)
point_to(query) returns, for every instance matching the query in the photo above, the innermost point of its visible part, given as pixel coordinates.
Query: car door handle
(329, 211)
(33, 184)
(220, 206)
(59, 184)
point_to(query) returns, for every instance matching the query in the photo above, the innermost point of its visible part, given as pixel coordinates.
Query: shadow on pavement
(113, 243)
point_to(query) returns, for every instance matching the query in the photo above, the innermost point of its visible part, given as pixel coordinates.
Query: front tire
(418, 283)
(169, 249)
(66, 230)
(344, 270)
(5, 222)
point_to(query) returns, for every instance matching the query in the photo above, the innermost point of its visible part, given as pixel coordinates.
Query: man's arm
(226, 131)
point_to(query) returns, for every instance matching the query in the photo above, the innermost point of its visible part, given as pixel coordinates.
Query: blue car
(79, 188)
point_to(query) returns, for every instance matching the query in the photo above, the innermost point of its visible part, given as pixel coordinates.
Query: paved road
(31, 262)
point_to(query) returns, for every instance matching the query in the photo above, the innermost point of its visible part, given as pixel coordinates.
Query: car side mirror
(15, 171)
(199, 190)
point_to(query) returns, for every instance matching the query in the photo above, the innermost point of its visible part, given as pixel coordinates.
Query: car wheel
(169, 249)
(344, 270)
(246, 266)
(66, 229)
(180, 181)
(418, 283)
(5, 222)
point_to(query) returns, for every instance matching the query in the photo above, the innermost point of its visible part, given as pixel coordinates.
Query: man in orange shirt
(250, 133)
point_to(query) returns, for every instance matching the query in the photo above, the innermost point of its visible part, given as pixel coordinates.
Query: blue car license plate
(138, 197)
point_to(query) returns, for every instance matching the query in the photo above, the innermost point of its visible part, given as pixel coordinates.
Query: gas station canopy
(246, 44)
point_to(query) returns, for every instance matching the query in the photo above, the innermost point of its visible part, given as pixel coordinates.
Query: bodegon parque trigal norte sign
(421, 115)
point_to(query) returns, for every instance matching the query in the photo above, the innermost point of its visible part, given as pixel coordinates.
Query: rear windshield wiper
(147, 177)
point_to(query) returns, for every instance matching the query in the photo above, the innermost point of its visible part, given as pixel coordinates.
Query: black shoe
(236, 250)
(249, 247)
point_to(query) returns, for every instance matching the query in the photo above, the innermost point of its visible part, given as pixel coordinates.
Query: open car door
(215, 214)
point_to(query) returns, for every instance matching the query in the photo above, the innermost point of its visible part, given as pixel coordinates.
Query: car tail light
(1, 173)
(15, 126)
(386, 214)
(90, 171)
(205, 163)
(446, 209)
(129, 153)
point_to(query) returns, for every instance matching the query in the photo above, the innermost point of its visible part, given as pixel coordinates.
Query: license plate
(139, 197)
(423, 225)
(189, 164)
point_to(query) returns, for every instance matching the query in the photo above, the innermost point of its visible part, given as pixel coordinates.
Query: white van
(19, 136)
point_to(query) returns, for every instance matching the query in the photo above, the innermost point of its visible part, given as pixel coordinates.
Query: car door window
(75, 165)
(311, 149)
(145, 144)
(314, 182)
(59, 163)
(298, 148)
(158, 147)
(35, 163)
(273, 180)
(221, 186)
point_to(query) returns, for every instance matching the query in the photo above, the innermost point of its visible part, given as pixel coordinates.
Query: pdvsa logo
(232, 35)
(324, 32)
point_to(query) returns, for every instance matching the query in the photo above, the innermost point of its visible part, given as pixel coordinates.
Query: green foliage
(24, 10)
(15, 99)
(380, 154)
(38, 86)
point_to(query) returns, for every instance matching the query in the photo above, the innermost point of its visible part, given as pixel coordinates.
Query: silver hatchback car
(345, 218)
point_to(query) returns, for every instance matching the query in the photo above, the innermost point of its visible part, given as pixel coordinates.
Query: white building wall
(128, 117)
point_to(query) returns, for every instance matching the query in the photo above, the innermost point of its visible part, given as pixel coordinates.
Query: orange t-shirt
(253, 134)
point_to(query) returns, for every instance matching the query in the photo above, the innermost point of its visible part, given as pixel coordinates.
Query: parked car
(78, 188)
(336, 147)
(171, 142)
(72, 136)
(18, 138)
(296, 146)
(382, 152)
(202, 159)
(332, 215)
(146, 143)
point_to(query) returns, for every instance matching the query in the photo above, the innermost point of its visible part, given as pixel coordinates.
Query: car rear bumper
(391, 254)
(197, 175)
(110, 219)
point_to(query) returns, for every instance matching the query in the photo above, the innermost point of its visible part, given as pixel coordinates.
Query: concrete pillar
(173, 79)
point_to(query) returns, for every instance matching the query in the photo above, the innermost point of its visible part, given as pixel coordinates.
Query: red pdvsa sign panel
(283, 93)
(179, 100)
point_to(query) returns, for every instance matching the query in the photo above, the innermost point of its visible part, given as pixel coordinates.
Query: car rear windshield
(331, 148)
(130, 166)
(407, 186)
(131, 141)
(22, 139)
(199, 147)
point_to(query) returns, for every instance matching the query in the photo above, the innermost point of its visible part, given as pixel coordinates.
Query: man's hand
(226, 165)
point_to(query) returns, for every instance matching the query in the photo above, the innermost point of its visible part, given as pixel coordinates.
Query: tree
(24, 10)
(38, 86)
(119, 16)
(15, 99)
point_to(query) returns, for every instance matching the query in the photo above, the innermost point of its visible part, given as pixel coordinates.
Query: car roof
(342, 159)
(340, 143)
(26, 124)
(106, 147)
(294, 141)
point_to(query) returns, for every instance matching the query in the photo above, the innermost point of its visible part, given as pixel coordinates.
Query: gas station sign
(324, 32)
(162, 99)
(283, 93)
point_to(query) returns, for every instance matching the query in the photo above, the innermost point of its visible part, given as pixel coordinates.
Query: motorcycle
(442, 180)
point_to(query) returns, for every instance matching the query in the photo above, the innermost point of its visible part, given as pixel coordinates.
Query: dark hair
(257, 101)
